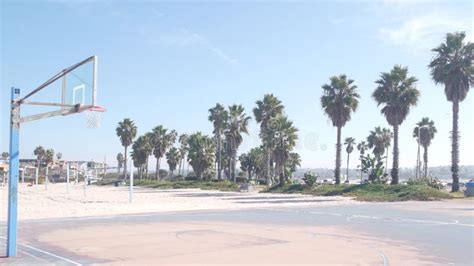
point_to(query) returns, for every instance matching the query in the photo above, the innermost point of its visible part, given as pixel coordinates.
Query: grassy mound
(205, 185)
(369, 192)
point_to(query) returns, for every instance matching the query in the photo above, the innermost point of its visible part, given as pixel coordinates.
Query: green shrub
(310, 178)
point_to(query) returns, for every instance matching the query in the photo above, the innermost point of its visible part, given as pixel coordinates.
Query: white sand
(35, 202)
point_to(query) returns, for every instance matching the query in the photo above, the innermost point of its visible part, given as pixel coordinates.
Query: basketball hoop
(94, 116)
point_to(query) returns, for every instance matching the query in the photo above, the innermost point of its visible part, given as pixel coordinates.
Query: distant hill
(441, 172)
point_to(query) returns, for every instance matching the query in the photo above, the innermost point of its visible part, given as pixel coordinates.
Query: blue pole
(13, 175)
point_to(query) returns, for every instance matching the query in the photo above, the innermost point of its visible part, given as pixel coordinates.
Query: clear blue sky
(168, 63)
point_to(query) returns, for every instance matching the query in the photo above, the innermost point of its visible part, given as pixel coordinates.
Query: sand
(35, 202)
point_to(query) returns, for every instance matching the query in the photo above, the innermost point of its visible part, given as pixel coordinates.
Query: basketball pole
(130, 199)
(13, 174)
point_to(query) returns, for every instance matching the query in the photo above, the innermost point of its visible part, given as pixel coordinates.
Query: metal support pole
(130, 200)
(67, 178)
(46, 181)
(13, 175)
(36, 175)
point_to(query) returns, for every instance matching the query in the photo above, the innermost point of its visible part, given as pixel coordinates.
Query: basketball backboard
(72, 90)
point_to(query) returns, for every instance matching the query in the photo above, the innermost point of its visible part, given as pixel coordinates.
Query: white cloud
(424, 32)
(185, 38)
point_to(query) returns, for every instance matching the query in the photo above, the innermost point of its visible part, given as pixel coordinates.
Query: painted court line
(46, 252)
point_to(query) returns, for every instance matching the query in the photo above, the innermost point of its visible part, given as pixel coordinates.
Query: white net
(93, 119)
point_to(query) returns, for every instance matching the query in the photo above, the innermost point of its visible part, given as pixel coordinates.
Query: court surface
(413, 233)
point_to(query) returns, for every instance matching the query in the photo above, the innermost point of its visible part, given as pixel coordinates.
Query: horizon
(185, 60)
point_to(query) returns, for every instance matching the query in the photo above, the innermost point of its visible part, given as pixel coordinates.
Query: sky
(167, 63)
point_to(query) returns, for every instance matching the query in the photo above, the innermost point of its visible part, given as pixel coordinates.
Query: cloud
(186, 38)
(423, 32)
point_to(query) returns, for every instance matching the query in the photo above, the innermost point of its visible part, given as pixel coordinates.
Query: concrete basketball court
(412, 233)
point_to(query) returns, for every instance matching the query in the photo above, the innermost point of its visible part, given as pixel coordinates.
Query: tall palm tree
(183, 150)
(396, 93)
(237, 124)
(362, 147)
(172, 157)
(284, 135)
(119, 162)
(126, 131)
(339, 100)
(162, 141)
(349, 142)
(426, 131)
(266, 109)
(218, 115)
(201, 153)
(452, 67)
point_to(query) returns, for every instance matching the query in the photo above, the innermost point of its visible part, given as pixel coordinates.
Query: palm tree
(236, 125)
(379, 141)
(140, 150)
(147, 149)
(425, 130)
(246, 164)
(284, 135)
(396, 92)
(126, 131)
(452, 67)
(39, 152)
(293, 162)
(349, 142)
(49, 158)
(218, 116)
(339, 100)
(59, 156)
(183, 150)
(119, 162)
(162, 141)
(201, 153)
(362, 147)
(266, 109)
(172, 157)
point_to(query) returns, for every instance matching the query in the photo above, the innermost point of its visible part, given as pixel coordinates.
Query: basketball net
(93, 119)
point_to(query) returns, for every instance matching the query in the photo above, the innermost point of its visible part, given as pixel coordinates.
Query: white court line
(29, 254)
(350, 218)
(47, 253)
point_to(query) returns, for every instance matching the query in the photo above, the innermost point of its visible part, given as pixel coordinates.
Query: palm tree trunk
(455, 147)
(360, 158)
(281, 174)
(157, 174)
(267, 166)
(347, 168)
(386, 161)
(394, 171)
(337, 172)
(125, 166)
(234, 155)
(425, 160)
(146, 169)
(219, 162)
